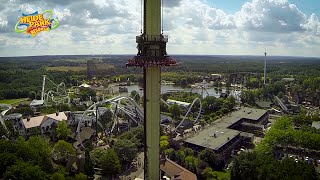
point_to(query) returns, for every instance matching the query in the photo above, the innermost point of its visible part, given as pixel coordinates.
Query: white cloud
(277, 16)
(193, 27)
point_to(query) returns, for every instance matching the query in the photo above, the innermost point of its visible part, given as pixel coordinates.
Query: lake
(169, 88)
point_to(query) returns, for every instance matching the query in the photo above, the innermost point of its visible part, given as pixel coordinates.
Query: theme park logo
(35, 23)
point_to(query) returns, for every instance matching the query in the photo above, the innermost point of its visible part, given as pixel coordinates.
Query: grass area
(223, 174)
(67, 68)
(12, 101)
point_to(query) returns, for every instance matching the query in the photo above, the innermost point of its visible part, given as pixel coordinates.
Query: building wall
(48, 126)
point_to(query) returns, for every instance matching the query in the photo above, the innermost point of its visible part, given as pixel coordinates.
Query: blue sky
(230, 27)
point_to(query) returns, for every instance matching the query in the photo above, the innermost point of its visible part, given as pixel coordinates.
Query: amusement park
(148, 115)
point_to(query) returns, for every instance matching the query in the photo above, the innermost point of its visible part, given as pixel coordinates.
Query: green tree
(192, 163)
(126, 151)
(252, 165)
(88, 165)
(80, 176)
(247, 97)
(62, 150)
(110, 163)
(170, 153)
(135, 95)
(208, 156)
(63, 130)
(6, 161)
(207, 173)
(175, 110)
(25, 171)
(96, 155)
(41, 152)
(164, 143)
(57, 176)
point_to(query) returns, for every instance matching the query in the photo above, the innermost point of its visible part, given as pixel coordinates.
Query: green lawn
(223, 175)
(12, 101)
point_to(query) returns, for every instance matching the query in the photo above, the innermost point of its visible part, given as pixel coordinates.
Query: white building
(45, 124)
(180, 103)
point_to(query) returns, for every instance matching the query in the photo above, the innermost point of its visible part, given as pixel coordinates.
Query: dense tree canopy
(63, 130)
(62, 150)
(175, 110)
(25, 171)
(126, 151)
(110, 163)
(249, 166)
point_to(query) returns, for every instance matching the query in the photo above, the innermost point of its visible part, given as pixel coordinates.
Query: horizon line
(170, 55)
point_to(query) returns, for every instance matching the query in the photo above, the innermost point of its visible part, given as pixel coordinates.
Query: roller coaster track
(283, 107)
(116, 107)
(203, 89)
(189, 110)
(60, 92)
(7, 108)
(135, 115)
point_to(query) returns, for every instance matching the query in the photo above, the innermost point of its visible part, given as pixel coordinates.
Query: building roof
(37, 121)
(33, 122)
(264, 104)
(36, 102)
(175, 171)
(316, 124)
(85, 134)
(288, 79)
(214, 137)
(13, 116)
(219, 133)
(84, 85)
(58, 116)
(178, 102)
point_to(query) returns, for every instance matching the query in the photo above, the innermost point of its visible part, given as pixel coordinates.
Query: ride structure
(59, 95)
(6, 108)
(265, 67)
(151, 56)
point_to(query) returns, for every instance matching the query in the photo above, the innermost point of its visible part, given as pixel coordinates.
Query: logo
(35, 23)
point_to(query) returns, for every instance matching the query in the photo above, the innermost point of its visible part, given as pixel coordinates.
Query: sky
(199, 27)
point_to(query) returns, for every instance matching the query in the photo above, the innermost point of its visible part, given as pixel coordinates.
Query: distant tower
(265, 67)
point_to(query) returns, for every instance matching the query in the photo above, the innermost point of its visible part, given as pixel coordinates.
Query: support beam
(152, 21)
(265, 67)
(152, 123)
(151, 56)
(43, 84)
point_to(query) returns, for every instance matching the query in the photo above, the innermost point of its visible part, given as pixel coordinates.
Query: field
(67, 68)
(12, 101)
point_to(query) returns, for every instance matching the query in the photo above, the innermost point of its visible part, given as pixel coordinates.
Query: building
(44, 124)
(173, 171)
(36, 103)
(84, 138)
(316, 124)
(180, 103)
(230, 132)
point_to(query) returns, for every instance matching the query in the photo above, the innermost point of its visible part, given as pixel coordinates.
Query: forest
(21, 77)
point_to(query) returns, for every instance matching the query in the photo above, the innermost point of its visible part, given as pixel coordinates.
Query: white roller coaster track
(7, 108)
(117, 107)
(189, 110)
(58, 96)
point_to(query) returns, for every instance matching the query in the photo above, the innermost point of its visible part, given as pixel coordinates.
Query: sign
(35, 23)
